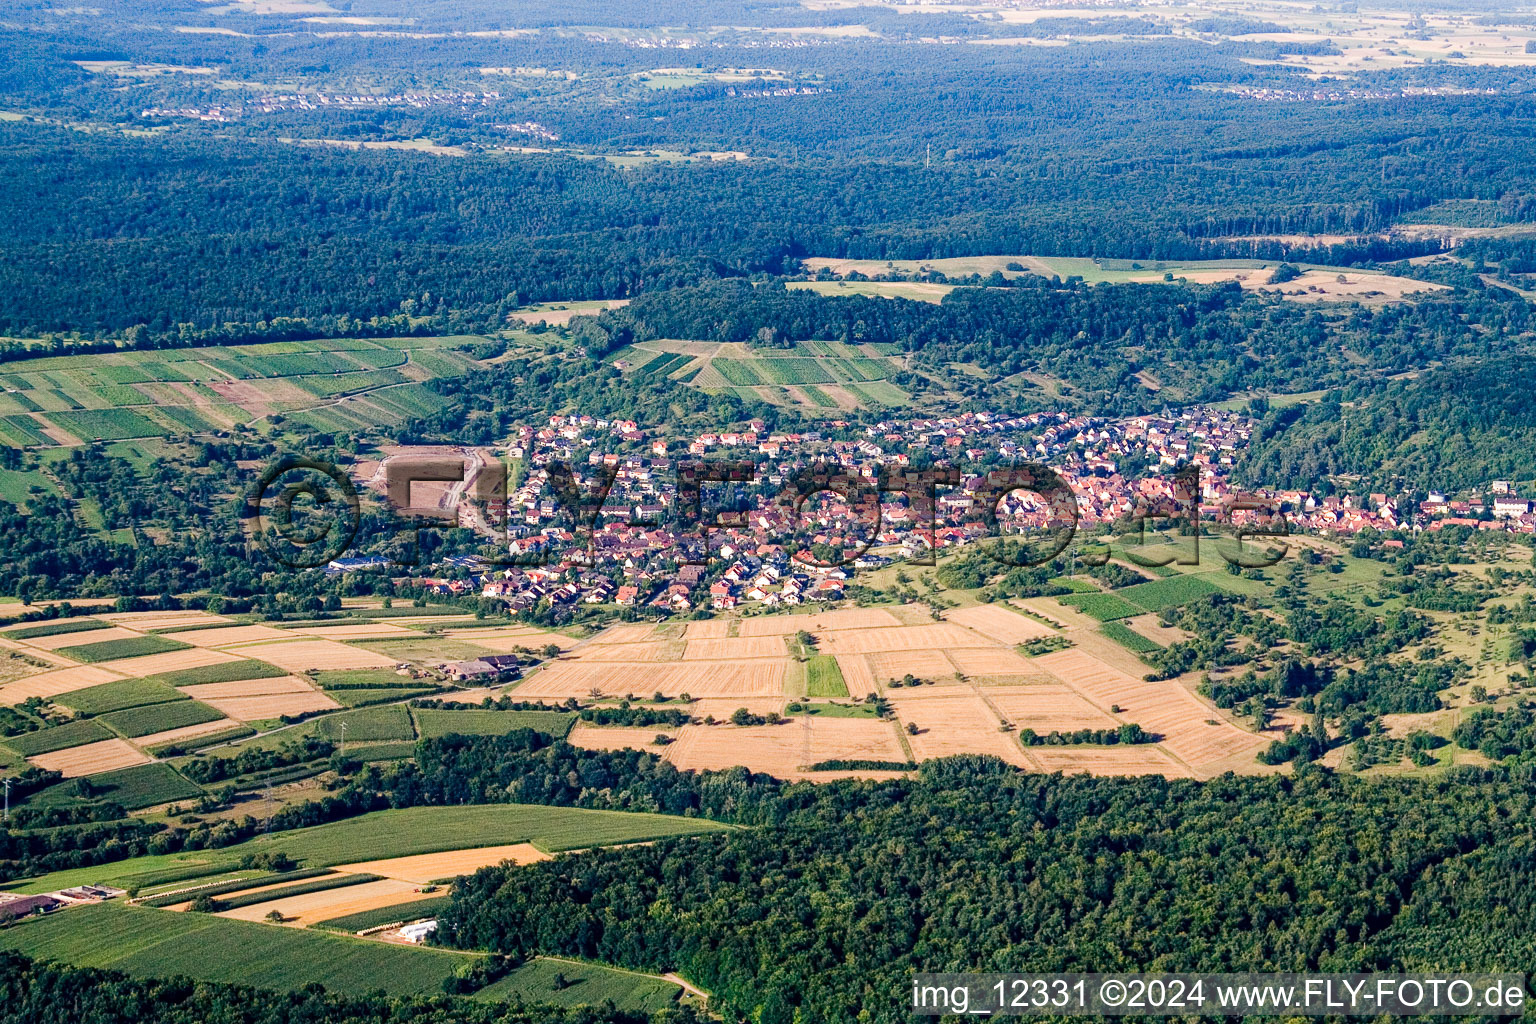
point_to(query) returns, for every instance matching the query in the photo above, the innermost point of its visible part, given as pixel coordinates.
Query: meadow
(433, 723)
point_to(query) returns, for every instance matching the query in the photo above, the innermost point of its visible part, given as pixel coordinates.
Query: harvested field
(760, 678)
(708, 629)
(1150, 627)
(249, 688)
(733, 648)
(431, 867)
(1142, 759)
(723, 707)
(299, 655)
(783, 750)
(954, 723)
(652, 651)
(256, 709)
(1002, 625)
(592, 737)
(186, 732)
(936, 637)
(922, 664)
(1163, 707)
(506, 644)
(171, 661)
(228, 635)
(317, 906)
(92, 758)
(51, 684)
(816, 622)
(634, 632)
(858, 674)
(363, 631)
(994, 663)
(161, 620)
(53, 643)
(1050, 708)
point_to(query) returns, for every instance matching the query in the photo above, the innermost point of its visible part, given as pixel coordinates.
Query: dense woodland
(1446, 429)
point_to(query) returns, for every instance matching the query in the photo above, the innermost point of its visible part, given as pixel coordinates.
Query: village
(633, 549)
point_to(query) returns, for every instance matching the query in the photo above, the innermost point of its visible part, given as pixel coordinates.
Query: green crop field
(1103, 607)
(57, 629)
(132, 647)
(396, 833)
(60, 737)
(425, 648)
(108, 424)
(224, 672)
(575, 983)
(359, 697)
(781, 370)
(824, 678)
(737, 371)
(142, 786)
(1128, 638)
(116, 696)
(392, 723)
(160, 944)
(434, 723)
(415, 911)
(1168, 593)
(153, 718)
(191, 743)
(364, 679)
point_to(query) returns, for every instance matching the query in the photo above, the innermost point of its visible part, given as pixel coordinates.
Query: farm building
(419, 931)
(13, 905)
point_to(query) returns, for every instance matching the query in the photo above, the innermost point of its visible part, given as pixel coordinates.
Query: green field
(434, 723)
(153, 718)
(574, 983)
(423, 648)
(60, 737)
(364, 679)
(132, 647)
(824, 678)
(1168, 593)
(161, 943)
(116, 696)
(57, 629)
(398, 833)
(392, 723)
(413, 830)
(142, 786)
(224, 672)
(1103, 607)
(1128, 638)
(357, 698)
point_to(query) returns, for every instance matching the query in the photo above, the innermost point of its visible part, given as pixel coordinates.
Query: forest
(1446, 429)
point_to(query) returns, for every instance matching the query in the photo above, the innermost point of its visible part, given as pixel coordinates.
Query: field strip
(431, 867)
(51, 684)
(340, 902)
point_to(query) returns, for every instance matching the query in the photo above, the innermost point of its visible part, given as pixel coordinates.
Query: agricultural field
(331, 384)
(158, 943)
(562, 982)
(818, 374)
(1317, 282)
(433, 723)
(123, 647)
